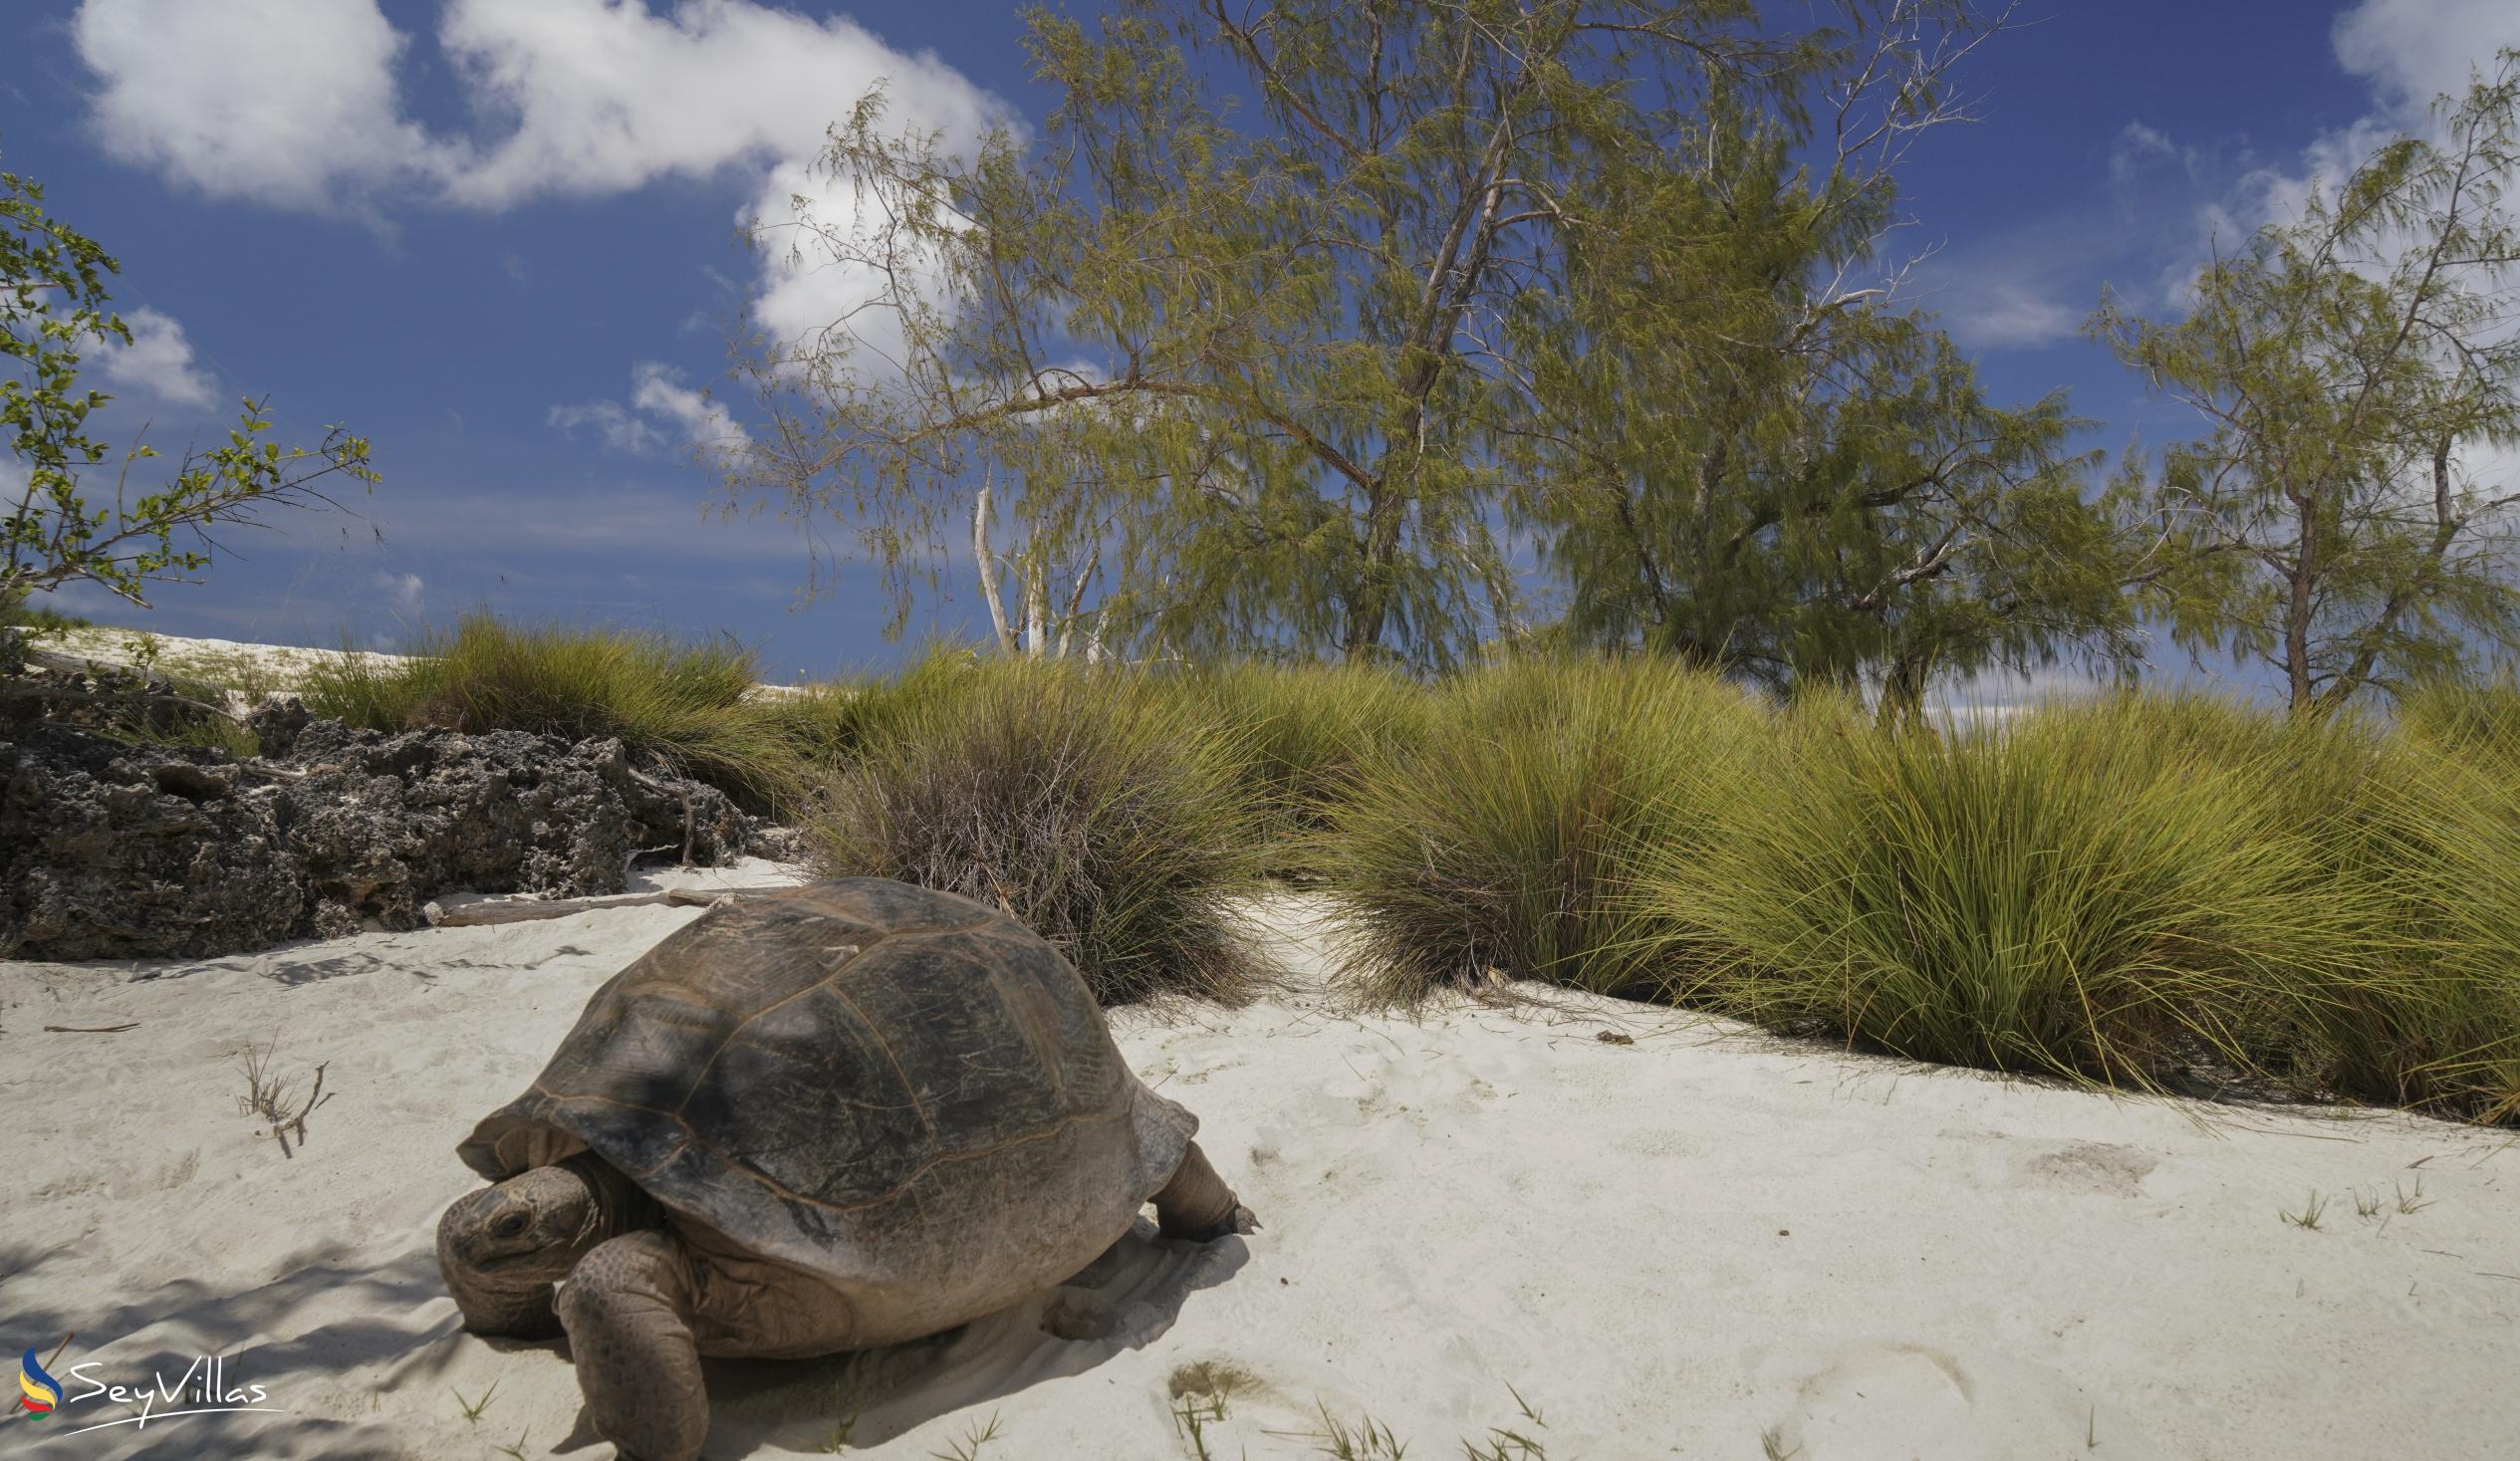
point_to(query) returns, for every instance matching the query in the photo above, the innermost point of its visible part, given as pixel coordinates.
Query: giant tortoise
(821, 1120)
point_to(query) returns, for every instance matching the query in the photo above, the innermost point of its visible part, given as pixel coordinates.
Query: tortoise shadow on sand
(1124, 1300)
(328, 1313)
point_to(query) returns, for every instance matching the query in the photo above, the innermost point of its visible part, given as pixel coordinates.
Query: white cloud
(661, 408)
(2137, 148)
(2010, 314)
(2413, 51)
(158, 363)
(404, 589)
(295, 103)
(658, 391)
(617, 429)
(605, 97)
(288, 102)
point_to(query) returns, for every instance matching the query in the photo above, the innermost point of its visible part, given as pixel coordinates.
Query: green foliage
(1742, 459)
(687, 705)
(2345, 368)
(1216, 385)
(52, 301)
(1101, 812)
(1511, 836)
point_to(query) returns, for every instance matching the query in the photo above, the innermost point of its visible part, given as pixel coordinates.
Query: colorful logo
(37, 1391)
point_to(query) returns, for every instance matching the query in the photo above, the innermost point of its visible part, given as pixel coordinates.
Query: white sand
(1672, 1248)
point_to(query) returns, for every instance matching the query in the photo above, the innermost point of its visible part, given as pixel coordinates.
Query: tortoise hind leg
(1197, 1205)
(627, 1309)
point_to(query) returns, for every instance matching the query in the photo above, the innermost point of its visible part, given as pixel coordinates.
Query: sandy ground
(1702, 1244)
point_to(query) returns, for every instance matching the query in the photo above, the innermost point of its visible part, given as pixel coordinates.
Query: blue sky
(501, 240)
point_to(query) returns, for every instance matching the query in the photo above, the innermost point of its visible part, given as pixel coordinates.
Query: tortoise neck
(615, 1205)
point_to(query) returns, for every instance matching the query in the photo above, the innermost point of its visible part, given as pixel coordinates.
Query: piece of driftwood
(527, 910)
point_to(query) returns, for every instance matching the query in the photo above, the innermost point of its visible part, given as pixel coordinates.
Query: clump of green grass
(1100, 813)
(2086, 893)
(1510, 835)
(687, 705)
(1307, 730)
(833, 723)
(2479, 720)
(2429, 1015)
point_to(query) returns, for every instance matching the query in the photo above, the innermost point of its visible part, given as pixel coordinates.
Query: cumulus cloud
(288, 102)
(295, 103)
(158, 363)
(661, 411)
(602, 97)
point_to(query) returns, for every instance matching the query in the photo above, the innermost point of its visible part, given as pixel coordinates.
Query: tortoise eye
(511, 1226)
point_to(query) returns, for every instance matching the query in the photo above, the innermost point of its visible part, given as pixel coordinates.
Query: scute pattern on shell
(859, 1077)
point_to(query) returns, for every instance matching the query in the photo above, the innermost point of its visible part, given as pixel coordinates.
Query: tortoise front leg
(627, 1309)
(1197, 1205)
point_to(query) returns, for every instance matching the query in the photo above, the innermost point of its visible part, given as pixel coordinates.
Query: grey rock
(117, 850)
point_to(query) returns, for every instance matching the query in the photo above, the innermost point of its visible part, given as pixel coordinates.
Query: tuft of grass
(687, 705)
(472, 1409)
(2477, 720)
(1512, 833)
(2312, 1209)
(1099, 814)
(2082, 894)
(968, 1447)
(1368, 1440)
(1307, 733)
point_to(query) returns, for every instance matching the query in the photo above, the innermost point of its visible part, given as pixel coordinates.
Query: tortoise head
(503, 1248)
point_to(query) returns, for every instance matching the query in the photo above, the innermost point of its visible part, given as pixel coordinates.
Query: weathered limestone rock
(117, 850)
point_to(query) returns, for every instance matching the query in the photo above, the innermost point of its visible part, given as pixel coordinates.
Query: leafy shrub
(1102, 814)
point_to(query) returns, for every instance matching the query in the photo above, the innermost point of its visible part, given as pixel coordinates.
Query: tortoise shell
(888, 1087)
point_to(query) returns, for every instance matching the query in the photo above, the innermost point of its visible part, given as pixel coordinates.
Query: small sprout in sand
(1772, 1445)
(848, 1404)
(1200, 1391)
(2307, 1217)
(1368, 1440)
(516, 1451)
(2411, 1203)
(1192, 1414)
(2367, 1206)
(1505, 1444)
(968, 1448)
(275, 1101)
(472, 1409)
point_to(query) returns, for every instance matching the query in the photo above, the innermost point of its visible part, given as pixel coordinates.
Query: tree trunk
(1369, 606)
(2297, 609)
(986, 562)
(1036, 608)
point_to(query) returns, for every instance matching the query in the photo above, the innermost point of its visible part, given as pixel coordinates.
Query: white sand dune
(1702, 1244)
